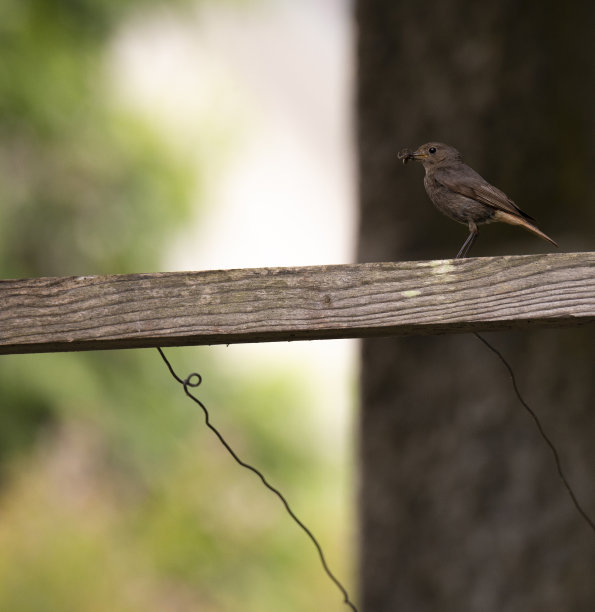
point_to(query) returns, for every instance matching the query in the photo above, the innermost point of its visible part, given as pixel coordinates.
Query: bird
(463, 195)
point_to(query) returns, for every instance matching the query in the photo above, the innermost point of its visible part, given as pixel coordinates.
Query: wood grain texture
(281, 304)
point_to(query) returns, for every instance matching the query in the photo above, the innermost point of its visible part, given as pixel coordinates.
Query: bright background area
(269, 81)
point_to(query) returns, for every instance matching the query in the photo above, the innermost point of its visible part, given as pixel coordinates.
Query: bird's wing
(464, 180)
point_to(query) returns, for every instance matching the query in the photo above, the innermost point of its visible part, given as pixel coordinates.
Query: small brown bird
(463, 195)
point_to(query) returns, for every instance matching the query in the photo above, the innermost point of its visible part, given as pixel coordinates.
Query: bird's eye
(432, 150)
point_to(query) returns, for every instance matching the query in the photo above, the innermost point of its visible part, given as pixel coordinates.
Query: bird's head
(434, 153)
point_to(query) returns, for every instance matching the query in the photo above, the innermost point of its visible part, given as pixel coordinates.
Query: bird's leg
(467, 246)
(473, 233)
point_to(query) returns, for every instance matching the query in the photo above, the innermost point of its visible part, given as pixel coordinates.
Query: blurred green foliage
(113, 495)
(85, 187)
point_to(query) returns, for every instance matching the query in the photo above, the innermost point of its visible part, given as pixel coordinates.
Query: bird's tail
(506, 217)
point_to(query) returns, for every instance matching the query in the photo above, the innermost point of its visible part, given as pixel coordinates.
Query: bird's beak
(418, 156)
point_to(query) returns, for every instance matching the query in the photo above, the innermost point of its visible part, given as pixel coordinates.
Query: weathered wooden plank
(280, 304)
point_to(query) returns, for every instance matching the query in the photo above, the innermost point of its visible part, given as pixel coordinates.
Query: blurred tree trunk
(461, 505)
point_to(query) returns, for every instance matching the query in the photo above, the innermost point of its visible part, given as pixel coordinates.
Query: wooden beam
(281, 304)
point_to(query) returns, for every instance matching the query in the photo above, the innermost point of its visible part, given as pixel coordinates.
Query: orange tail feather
(500, 215)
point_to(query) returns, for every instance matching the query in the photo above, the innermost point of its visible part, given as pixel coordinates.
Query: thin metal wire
(575, 501)
(194, 380)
